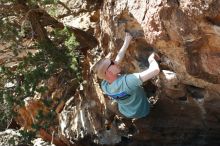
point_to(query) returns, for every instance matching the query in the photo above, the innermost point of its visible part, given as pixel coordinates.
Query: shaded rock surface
(187, 92)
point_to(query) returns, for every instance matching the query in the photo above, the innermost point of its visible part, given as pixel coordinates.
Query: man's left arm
(123, 49)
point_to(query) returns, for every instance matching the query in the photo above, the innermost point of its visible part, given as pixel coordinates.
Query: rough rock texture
(186, 34)
(41, 142)
(182, 31)
(10, 137)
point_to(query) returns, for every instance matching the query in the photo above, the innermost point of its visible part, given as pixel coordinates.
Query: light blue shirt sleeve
(133, 81)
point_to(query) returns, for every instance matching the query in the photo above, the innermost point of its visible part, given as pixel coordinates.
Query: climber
(126, 89)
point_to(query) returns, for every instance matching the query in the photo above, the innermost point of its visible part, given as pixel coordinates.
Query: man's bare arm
(123, 49)
(152, 71)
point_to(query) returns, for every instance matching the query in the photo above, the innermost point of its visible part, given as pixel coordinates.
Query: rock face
(182, 31)
(186, 34)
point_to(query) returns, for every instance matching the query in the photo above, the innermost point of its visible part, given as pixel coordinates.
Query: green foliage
(44, 120)
(27, 136)
(47, 102)
(49, 1)
(12, 141)
(9, 33)
(70, 44)
(27, 78)
(38, 67)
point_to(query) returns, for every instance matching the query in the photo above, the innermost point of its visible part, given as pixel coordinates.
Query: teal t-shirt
(129, 94)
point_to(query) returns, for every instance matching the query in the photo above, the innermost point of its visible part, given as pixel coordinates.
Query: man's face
(113, 67)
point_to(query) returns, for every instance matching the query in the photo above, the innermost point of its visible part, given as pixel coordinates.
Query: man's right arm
(123, 49)
(152, 71)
